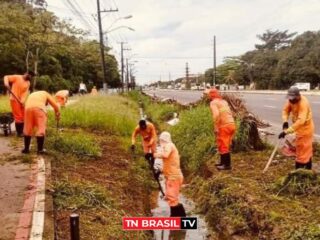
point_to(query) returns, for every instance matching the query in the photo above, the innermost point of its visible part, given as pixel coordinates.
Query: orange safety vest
(221, 113)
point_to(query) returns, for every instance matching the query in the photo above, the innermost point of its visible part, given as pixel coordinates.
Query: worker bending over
(19, 90)
(172, 173)
(94, 91)
(149, 135)
(36, 118)
(62, 97)
(224, 128)
(299, 108)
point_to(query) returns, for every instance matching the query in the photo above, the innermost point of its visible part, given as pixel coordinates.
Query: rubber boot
(27, 141)
(181, 211)
(40, 143)
(226, 162)
(177, 211)
(221, 161)
(19, 129)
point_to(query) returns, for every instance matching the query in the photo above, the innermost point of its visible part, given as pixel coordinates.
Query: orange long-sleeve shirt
(301, 116)
(221, 113)
(20, 87)
(171, 161)
(148, 135)
(41, 99)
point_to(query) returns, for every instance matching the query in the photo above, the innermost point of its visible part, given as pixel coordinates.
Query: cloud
(170, 33)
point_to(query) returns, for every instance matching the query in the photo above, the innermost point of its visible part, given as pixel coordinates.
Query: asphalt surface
(267, 107)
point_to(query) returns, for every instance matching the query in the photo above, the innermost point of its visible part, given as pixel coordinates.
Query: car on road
(303, 86)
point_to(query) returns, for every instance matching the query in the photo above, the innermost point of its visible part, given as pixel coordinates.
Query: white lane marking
(39, 205)
(272, 99)
(268, 106)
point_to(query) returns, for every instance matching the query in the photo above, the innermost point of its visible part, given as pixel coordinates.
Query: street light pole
(214, 68)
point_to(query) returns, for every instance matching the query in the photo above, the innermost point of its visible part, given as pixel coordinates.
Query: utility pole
(214, 69)
(122, 67)
(122, 63)
(187, 76)
(103, 61)
(127, 75)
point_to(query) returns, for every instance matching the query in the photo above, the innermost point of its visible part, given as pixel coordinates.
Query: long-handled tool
(271, 157)
(155, 174)
(15, 97)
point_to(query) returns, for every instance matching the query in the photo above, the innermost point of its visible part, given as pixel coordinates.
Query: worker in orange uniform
(299, 108)
(224, 128)
(19, 90)
(148, 132)
(36, 118)
(94, 91)
(172, 173)
(62, 97)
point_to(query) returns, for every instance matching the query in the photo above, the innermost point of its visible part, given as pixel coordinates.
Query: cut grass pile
(81, 195)
(299, 182)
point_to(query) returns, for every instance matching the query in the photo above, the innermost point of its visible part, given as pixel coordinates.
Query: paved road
(266, 106)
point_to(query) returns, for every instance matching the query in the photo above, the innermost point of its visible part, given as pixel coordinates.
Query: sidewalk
(14, 182)
(26, 211)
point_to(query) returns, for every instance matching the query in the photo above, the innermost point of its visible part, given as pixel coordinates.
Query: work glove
(133, 147)
(285, 126)
(282, 135)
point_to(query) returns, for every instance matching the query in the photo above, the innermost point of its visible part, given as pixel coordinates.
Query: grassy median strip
(94, 173)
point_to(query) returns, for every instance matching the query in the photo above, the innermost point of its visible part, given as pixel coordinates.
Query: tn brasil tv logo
(159, 223)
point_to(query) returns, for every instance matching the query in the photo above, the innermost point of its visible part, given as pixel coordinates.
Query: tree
(275, 40)
(33, 38)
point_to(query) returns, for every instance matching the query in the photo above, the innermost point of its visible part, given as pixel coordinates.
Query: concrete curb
(36, 218)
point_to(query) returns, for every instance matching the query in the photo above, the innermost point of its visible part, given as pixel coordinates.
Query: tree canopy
(281, 60)
(35, 39)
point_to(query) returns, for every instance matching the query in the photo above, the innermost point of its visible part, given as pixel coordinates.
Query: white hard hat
(166, 137)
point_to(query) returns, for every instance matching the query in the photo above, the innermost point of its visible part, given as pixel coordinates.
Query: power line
(76, 12)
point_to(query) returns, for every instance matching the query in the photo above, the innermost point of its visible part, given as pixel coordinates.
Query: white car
(302, 86)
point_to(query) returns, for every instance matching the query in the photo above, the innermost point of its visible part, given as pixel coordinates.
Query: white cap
(166, 137)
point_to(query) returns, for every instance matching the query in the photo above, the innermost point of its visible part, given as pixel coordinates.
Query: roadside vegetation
(243, 203)
(94, 173)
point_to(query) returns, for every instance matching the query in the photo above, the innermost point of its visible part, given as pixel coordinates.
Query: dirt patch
(116, 173)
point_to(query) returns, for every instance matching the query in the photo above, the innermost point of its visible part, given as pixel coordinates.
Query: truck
(303, 86)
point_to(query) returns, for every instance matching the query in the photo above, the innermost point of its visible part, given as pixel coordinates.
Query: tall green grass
(156, 112)
(109, 114)
(194, 137)
(79, 144)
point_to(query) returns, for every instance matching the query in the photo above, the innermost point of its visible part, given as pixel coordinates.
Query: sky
(170, 33)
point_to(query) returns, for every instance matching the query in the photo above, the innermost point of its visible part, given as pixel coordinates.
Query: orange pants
(147, 149)
(224, 138)
(35, 118)
(173, 190)
(304, 148)
(61, 101)
(17, 111)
